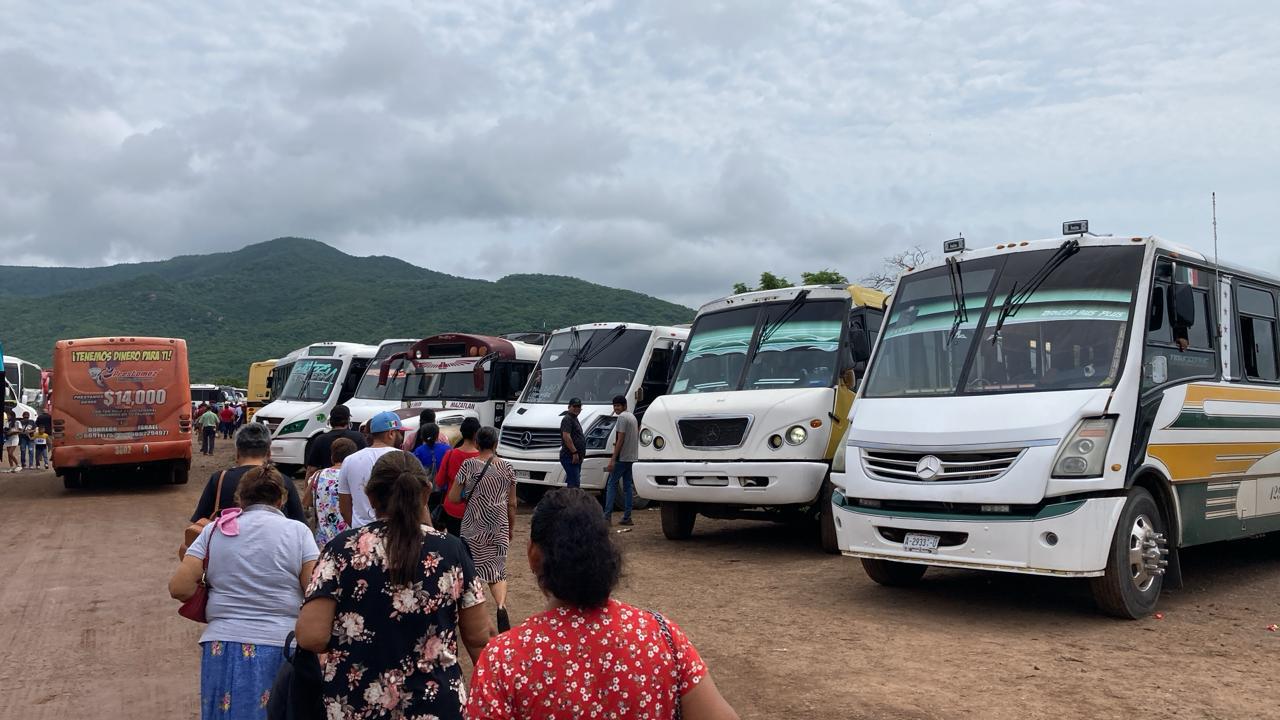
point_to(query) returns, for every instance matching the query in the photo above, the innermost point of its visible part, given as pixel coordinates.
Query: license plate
(919, 542)
(522, 475)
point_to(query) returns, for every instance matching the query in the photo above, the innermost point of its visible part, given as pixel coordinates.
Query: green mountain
(267, 299)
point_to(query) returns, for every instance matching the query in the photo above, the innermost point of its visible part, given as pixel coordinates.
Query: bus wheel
(180, 473)
(678, 520)
(827, 520)
(893, 574)
(72, 480)
(637, 503)
(1137, 560)
(530, 494)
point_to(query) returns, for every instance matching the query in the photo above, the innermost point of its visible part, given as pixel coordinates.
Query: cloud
(668, 147)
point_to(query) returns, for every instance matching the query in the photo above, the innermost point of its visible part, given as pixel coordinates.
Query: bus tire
(1131, 586)
(637, 503)
(678, 519)
(530, 494)
(180, 473)
(826, 517)
(72, 479)
(893, 574)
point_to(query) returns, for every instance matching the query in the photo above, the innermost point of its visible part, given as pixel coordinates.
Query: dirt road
(87, 629)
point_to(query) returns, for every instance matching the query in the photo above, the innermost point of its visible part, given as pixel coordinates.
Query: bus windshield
(798, 346)
(444, 386)
(943, 335)
(592, 365)
(369, 389)
(311, 380)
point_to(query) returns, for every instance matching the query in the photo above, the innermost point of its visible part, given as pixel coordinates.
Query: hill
(269, 298)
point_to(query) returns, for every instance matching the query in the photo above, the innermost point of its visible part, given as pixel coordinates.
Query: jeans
(26, 452)
(572, 472)
(207, 436)
(621, 473)
(42, 455)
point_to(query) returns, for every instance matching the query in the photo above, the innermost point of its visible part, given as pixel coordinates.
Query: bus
(379, 392)
(205, 394)
(758, 406)
(324, 375)
(123, 404)
(26, 378)
(592, 362)
(459, 376)
(1082, 406)
(259, 391)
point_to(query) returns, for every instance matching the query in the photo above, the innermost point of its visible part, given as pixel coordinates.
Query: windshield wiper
(957, 297)
(792, 308)
(589, 351)
(1016, 298)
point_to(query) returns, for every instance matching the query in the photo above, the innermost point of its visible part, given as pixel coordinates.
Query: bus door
(507, 381)
(657, 375)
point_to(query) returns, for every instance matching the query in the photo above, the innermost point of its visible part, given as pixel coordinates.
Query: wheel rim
(1146, 553)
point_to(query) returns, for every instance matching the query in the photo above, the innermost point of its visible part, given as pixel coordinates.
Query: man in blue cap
(385, 434)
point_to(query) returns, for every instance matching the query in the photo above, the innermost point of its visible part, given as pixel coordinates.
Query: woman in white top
(259, 563)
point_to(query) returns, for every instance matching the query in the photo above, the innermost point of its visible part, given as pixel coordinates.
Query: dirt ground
(87, 629)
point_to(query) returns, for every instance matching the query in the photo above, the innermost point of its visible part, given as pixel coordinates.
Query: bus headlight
(293, 427)
(646, 437)
(659, 443)
(797, 435)
(1085, 450)
(598, 435)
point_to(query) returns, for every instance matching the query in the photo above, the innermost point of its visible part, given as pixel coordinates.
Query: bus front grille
(917, 466)
(713, 433)
(522, 438)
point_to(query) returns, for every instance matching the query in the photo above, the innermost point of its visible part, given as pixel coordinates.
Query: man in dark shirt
(318, 457)
(573, 444)
(253, 448)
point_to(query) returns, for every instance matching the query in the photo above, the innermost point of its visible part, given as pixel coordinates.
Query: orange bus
(121, 404)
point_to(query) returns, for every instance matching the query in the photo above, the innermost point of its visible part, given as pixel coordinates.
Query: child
(42, 448)
(323, 490)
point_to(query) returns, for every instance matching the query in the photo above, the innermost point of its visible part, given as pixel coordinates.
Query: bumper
(731, 483)
(124, 453)
(551, 474)
(289, 451)
(1083, 528)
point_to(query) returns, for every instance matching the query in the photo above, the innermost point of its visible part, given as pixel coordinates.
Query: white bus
(758, 407)
(325, 375)
(594, 363)
(206, 394)
(372, 394)
(26, 380)
(459, 376)
(1078, 407)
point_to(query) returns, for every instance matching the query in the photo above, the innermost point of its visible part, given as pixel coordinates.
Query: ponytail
(396, 489)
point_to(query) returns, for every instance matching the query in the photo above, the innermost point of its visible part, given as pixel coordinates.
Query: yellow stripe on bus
(1197, 394)
(1197, 461)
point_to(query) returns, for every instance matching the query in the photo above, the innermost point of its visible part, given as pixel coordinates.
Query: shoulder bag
(196, 607)
(194, 529)
(461, 490)
(675, 655)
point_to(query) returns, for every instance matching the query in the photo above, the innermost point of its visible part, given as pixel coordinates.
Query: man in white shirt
(353, 503)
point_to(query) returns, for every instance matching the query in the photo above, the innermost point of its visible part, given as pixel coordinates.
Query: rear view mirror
(859, 345)
(1182, 306)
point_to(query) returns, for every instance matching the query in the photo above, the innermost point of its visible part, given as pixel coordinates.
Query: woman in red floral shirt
(589, 655)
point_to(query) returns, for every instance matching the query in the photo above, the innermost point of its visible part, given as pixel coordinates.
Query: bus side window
(1256, 316)
(656, 376)
(514, 376)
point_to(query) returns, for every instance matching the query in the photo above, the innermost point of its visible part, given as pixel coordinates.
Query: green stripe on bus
(1198, 420)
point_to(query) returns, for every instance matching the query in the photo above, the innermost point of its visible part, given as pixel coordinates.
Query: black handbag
(298, 691)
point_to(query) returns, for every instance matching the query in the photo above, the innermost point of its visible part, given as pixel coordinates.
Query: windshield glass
(799, 346)
(1068, 335)
(369, 388)
(311, 380)
(445, 386)
(603, 362)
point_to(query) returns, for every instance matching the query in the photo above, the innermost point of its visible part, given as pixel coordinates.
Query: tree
(886, 278)
(769, 281)
(823, 277)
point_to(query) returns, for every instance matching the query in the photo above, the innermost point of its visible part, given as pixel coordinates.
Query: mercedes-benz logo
(526, 439)
(928, 467)
(711, 435)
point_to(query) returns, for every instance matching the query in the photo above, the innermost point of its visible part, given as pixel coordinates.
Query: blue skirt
(236, 679)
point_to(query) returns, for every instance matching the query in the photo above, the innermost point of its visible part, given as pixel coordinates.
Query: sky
(669, 147)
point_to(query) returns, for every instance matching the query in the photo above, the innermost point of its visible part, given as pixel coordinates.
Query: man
(353, 503)
(318, 457)
(26, 443)
(626, 450)
(253, 448)
(227, 416)
(208, 424)
(573, 444)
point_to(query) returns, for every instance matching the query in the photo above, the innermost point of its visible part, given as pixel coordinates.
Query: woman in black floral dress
(388, 602)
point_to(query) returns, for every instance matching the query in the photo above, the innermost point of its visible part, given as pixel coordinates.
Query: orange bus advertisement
(121, 404)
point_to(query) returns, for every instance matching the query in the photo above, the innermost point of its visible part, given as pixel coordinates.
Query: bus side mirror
(1182, 306)
(477, 377)
(858, 345)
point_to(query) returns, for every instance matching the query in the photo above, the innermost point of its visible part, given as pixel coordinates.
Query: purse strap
(468, 488)
(670, 640)
(217, 497)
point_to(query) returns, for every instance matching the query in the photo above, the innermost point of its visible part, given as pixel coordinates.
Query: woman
(588, 654)
(324, 489)
(453, 459)
(431, 452)
(490, 485)
(259, 563)
(387, 603)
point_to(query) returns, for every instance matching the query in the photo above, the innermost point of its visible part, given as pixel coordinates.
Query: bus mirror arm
(477, 372)
(384, 370)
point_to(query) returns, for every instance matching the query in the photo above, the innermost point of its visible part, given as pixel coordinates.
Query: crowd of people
(27, 440)
(218, 419)
(406, 557)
